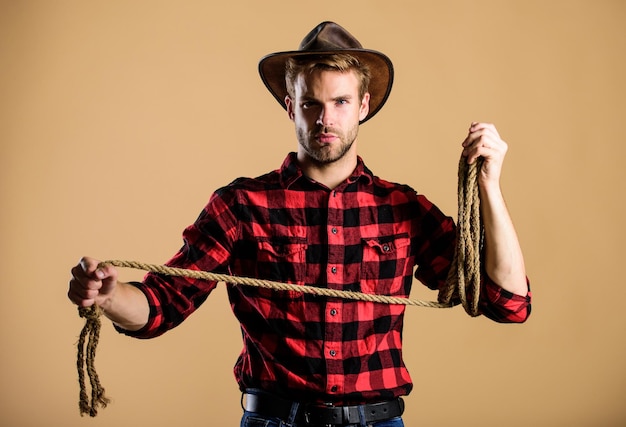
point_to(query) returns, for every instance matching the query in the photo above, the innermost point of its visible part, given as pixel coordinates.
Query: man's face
(326, 111)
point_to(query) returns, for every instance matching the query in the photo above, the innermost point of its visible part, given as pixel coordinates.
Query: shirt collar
(290, 171)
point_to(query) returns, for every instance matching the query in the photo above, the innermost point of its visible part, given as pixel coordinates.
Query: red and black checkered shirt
(366, 235)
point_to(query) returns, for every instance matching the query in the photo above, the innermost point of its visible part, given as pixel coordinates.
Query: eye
(308, 104)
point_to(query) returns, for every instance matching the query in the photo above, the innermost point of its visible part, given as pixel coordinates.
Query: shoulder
(406, 197)
(382, 188)
(247, 184)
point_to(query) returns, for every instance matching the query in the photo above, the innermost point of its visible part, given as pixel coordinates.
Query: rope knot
(90, 313)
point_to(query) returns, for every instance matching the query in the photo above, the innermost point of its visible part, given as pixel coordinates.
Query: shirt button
(333, 353)
(333, 312)
(333, 230)
(334, 388)
(333, 269)
(386, 248)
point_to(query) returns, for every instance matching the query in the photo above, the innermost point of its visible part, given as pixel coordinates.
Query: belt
(318, 415)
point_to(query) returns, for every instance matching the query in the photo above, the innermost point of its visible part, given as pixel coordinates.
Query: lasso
(463, 279)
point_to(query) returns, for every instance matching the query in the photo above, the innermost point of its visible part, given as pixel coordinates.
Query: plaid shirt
(366, 235)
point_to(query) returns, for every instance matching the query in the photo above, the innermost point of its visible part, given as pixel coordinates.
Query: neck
(330, 174)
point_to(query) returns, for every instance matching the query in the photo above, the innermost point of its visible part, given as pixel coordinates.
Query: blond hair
(335, 62)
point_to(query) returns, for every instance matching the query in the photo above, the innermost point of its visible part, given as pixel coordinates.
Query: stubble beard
(327, 153)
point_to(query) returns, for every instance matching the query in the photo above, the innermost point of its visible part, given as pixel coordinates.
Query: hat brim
(272, 71)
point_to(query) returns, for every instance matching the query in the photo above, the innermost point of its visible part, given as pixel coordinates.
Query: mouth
(325, 138)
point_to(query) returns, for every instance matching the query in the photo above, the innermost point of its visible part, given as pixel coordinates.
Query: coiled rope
(464, 274)
(463, 279)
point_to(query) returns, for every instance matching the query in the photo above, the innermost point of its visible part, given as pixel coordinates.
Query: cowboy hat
(326, 39)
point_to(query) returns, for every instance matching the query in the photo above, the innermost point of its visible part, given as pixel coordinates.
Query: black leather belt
(318, 415)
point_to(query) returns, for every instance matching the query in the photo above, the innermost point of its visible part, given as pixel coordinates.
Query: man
(322, 219)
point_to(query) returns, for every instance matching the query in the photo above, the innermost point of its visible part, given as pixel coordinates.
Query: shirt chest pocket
(281, 259)
(385, 264)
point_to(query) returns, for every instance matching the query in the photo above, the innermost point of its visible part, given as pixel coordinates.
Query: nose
(325, 118)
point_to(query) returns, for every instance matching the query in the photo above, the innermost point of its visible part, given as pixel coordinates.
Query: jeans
(251, 419)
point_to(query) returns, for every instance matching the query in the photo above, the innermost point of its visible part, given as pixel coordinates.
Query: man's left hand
(484, 141)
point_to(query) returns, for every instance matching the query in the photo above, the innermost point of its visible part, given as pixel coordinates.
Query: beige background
(119, 118)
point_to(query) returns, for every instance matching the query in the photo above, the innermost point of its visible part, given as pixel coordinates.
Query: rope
(464, 275)
(268, 284)
(85, 361)
(463, 279)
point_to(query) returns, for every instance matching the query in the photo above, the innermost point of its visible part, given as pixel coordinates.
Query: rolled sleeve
(503, 306)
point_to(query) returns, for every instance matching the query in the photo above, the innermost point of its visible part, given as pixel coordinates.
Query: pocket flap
(387, 244)
(283, 247)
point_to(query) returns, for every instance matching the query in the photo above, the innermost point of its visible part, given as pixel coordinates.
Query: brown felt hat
(326, 39)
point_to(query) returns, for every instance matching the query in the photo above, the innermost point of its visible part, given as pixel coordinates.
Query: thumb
(107, 274)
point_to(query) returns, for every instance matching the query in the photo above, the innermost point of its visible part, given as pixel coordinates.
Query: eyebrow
(336, 98)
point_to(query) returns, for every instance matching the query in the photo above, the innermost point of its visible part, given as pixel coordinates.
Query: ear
(289, 105)
(365, 106)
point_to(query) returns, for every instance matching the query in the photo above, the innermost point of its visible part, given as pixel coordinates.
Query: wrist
(489, 188)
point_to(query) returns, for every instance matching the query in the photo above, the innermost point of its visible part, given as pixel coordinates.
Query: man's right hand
(121, 302)
(91, 284)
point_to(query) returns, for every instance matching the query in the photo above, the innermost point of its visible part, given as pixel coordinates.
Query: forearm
(504, 261)
(128, 307)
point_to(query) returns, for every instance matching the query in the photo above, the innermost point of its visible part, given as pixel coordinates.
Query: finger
(89, 265)
(81, 302)
(475, 135)
(472, 156)
(479, 146)
(79, 273)
(94, 269)
(484, 139)
(486, 128)
(483, 147)
(476, 126)
(86, 280)
(106, 273)
(81, 295)
(483, 133)
(82, 284)
(475, 140)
